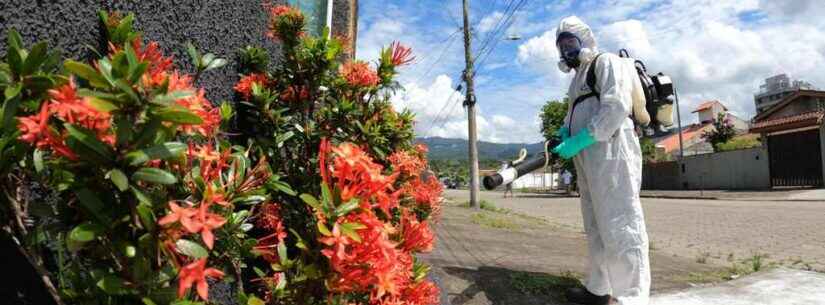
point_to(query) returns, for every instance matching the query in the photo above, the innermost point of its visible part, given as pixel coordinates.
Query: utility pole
(470, 102)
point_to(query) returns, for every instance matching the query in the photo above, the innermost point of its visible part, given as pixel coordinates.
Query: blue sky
(713, 49)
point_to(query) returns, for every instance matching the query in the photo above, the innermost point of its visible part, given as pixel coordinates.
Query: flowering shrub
(371, 205)
(317, 195)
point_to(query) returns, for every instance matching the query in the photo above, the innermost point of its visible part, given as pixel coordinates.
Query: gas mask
(570, 47)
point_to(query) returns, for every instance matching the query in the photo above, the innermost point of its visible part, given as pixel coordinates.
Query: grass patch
(755, 263)
(544, 284)
(493, 221)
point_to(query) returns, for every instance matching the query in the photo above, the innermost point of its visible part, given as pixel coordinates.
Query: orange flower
(406, 163)
(359, 74)
(417, 235)
(67, 106)
(244, 86)
(295, 94)
(198, 220)
(401, 55)
(196, 273)
(35, 131)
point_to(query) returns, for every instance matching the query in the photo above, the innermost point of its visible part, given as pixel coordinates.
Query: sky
(714, 50)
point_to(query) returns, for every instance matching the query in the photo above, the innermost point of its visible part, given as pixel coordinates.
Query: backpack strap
(591, 83)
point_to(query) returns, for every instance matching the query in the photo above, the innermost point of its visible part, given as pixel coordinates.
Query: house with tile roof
(794, 131)
(692, 141)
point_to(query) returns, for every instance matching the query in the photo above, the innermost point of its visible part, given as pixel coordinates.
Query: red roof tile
(815, 117)
(708, 105)
(671, 142)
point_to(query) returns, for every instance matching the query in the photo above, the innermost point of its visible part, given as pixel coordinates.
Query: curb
(729, 199)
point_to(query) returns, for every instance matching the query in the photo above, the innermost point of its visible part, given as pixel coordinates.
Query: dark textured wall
(217, 26)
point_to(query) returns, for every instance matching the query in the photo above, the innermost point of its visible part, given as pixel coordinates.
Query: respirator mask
(570, 46)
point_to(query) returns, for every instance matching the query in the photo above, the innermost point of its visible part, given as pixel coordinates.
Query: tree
(722, 131)
(552, 117)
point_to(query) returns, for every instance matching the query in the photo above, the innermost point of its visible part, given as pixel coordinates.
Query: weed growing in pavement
(493, 221)
(544, 284)
(703, 258)
(757, 261)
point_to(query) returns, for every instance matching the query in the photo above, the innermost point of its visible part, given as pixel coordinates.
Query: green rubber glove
(575, 144)
(563, 133)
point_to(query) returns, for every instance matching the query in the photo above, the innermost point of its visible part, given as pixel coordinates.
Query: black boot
(584, 297)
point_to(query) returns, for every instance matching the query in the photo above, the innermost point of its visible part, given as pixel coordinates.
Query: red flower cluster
(359, 177)
(401, 55)
(244, 86)
(196, 273)
(417, 235)
(359, 74)
(281, 15)
(361, 251)
(406, 163)
(195, 220)
(67, 106)
(270, 220)
(294, 94)
(197, 104)
(426, 192)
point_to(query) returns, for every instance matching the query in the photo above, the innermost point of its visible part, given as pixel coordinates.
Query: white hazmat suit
(609, 173)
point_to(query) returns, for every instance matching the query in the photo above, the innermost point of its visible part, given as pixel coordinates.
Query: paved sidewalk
(776, 287)
(719, 231)
(774, 195)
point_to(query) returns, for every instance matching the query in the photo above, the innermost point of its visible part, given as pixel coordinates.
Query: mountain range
(456, 149)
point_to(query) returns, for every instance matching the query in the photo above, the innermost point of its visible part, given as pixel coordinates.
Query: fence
(739, 169)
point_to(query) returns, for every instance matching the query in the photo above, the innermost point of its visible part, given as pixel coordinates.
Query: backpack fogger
(653, 96)
(653, 101)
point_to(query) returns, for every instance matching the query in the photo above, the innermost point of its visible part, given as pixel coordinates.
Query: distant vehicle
(449, 183)
(514, 37)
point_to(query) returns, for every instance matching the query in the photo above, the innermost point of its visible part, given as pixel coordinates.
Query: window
(318, 14)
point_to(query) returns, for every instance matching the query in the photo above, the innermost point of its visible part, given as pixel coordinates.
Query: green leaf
(89, 201)
(90, 141)
(36, 57)
(249, 200)
(119, 179)
(283, 187)
(178, 115)
(346, 208)
(191, 249)
(253, 300)
(148, 134)
(349, 230)
(127, 88)
(9, 110)
(171, 97)
(164, 151)
(14, 39)
(141, 196)
(193, 54)
(38, 83)
(311, 201)
(124, 130)
(112, 285)
(322, 228)
(102, 105)
(147, 301)
(85, 232)
(147, 218)
(215, 64)
(86, 72)
(15, 60)
(282, 255)
(38, 160)
(154, 175)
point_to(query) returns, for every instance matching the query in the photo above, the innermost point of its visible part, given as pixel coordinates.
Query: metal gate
(796, 159)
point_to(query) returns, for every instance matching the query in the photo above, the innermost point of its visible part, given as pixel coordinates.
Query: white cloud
(489, 22)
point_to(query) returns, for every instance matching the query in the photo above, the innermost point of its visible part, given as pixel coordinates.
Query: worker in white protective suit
(599, 134)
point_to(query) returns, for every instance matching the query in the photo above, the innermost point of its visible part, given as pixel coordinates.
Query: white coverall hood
(577, 27)
(609, 173)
